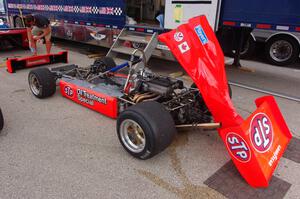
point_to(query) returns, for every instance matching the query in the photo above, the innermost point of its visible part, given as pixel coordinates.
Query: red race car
(148, 106)
(16, 37)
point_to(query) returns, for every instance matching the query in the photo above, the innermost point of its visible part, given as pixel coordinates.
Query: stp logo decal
(201, 34)
(238, 147)
(261, 134)
(178, 36)
(69, 91)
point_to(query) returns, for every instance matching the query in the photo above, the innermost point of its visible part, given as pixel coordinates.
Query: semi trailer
(100, 22)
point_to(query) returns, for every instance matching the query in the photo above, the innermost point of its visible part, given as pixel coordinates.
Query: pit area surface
(54, 148)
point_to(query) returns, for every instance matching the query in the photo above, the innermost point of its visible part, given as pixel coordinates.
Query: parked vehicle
(149, 107)
(100, 22)
(273, 23)
(10, 37)
(281, 47)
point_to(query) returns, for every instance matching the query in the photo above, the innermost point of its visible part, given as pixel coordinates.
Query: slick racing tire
(1, 120)
(42, 82)
(104, 64)
(145, 129)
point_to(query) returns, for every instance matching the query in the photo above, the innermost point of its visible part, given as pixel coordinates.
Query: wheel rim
(245, 48)
(281, 51)
(35, 85)
(132, 136)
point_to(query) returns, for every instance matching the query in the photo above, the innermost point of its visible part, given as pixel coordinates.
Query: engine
(163, 86)
(148, 82)
(185, 104)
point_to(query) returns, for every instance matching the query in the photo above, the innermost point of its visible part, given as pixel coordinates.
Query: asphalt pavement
(54, 148)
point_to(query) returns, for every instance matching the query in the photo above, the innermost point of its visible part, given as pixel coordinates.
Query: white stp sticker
(238, 147)
(261, 133)
(201, 34)
(69, 91)
(178, 36)
(184, 47)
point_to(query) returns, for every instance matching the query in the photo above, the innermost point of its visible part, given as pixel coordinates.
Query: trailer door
(2, 7)
(178, 12)
(3, 14)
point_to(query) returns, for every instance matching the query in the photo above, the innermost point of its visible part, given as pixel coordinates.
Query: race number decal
(69, 91)
(238, 147)
(261, 134)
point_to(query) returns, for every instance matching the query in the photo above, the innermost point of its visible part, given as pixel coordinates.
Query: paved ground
(54, 148)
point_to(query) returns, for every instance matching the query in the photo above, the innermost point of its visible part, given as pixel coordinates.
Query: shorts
(38, 31)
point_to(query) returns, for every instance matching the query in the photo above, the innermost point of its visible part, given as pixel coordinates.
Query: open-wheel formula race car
(149, 107)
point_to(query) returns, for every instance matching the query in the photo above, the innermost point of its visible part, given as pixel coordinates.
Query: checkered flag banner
(76, 9)
(95, 10)
(117, 11)
(60, 8)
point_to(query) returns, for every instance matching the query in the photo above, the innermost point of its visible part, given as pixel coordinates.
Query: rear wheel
(282, 50)
(104, 64)
(42, 82)
(201, 105)
(145, 129)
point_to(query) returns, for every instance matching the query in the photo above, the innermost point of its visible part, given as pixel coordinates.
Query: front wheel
(145, 129)
(42, 82)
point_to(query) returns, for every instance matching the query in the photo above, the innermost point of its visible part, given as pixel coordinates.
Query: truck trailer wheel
(145, 129)
(42, 82)
(282, 50)
(248, 49)
(1, 120)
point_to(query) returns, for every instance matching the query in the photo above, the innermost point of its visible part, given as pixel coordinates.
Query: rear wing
(255, 144)
(14, 64)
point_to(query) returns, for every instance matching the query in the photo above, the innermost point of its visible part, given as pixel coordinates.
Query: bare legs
(48, 46)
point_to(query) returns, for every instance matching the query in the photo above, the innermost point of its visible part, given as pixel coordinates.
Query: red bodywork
(14, 64)
(255, 144)
(13, 32)
(104, 104)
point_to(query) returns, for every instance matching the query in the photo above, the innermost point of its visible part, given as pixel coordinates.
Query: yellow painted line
(3, 65)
